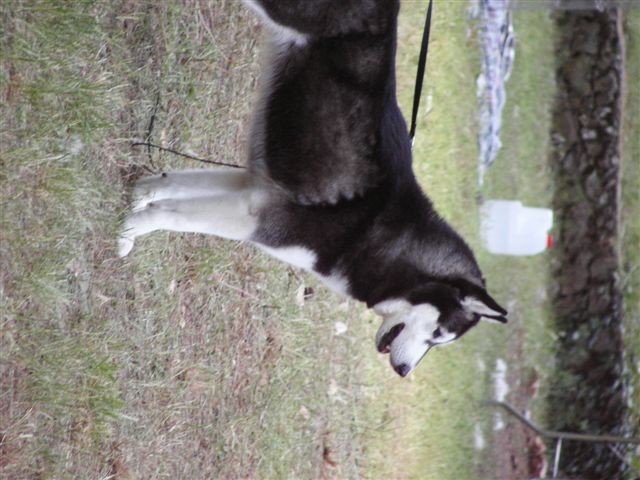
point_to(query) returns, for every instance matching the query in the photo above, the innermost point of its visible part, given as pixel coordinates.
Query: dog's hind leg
(183, 184)
(228, 215)
(294, 20)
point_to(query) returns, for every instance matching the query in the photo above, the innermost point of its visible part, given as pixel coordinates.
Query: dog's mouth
(384, 344)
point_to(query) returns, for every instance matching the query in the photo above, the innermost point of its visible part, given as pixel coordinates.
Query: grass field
(199, 358)
(630, 241)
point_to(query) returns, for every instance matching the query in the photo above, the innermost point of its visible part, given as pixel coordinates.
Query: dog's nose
(402, 369)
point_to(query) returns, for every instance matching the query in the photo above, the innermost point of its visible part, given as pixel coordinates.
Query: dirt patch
(517, 451)
(589, 394)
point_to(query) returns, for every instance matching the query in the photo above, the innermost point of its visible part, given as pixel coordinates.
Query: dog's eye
(437, 333)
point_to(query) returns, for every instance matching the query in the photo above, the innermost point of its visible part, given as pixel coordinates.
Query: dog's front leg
(184, 184)
(230, 215)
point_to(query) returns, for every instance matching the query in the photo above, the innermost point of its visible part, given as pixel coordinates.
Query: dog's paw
(127, 236)
(148, 190)
(125, 244)
(143, 194)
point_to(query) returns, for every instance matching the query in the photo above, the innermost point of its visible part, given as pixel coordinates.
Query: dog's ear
(481, 303)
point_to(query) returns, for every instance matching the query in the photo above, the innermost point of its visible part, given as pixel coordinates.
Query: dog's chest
(305, 258)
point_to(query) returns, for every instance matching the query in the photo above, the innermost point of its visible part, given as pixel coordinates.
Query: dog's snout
(402, 369)
(385, 342)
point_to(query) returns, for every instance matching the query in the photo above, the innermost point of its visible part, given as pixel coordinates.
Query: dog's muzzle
(384, 342)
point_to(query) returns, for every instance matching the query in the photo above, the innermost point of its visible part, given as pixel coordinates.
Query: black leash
(422, 62)
(185, 155)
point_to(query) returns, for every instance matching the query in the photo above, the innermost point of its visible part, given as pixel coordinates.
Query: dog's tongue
(384, 345)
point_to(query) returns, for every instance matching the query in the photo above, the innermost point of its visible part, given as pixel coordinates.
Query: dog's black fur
(330, 134)
(330, 187)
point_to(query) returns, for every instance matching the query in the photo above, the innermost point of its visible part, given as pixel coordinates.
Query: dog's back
(330, 187)
(329, 133)
(328, 89)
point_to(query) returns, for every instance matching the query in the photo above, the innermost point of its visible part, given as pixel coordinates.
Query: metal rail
(585, 437)
(560, 436)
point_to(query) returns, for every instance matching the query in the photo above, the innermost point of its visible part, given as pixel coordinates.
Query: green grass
(432, 416)
(445, 147)
(451, 383)
(522, 172)
(630, 207)
(192, 358)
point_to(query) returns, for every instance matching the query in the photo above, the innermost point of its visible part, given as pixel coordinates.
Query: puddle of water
(500, 390)
(478, 438)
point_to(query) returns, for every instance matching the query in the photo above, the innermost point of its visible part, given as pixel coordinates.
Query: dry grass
(194, 357)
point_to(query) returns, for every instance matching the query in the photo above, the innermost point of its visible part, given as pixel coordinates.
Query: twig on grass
(152, 122)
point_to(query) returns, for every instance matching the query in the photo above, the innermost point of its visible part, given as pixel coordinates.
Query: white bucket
(509, 228)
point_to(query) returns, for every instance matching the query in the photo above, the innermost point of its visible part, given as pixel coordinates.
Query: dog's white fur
(417, 336)
(279, 33)
(221, 202)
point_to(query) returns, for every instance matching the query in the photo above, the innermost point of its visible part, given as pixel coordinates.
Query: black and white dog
(330, 187)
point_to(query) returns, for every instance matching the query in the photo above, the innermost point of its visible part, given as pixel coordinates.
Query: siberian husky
(329, 186)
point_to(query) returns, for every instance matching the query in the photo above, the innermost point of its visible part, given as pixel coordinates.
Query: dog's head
(435, 314)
